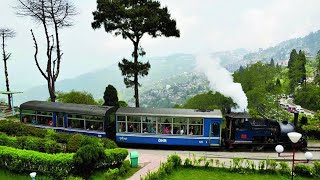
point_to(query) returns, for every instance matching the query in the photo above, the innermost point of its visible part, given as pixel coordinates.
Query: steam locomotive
(242, 130)
(158, 126)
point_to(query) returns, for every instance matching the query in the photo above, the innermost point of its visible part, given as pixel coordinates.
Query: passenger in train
(50, 123)
(166, 130)
(130, 128)
(191, 130)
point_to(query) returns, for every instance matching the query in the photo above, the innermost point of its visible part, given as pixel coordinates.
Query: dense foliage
(308, 97)
(262, 85)
(76, 97)
(209, 101)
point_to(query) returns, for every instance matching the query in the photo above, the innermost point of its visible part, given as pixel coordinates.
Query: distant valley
(172, 78)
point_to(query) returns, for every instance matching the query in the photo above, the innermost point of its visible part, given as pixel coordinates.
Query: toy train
(158, 126)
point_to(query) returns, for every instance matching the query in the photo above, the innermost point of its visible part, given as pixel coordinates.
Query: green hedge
(115, 156)
(31, 143)
(18, 129)
(57, 165)
(73, 141)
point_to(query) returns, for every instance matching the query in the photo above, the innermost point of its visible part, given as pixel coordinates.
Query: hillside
(171, 68)
(310, 44)
(175, 90)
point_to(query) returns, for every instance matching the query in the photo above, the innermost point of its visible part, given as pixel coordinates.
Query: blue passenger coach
(65, 117)
(168, 126)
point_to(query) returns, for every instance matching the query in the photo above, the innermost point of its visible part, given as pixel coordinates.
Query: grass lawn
(98, 175)
(216, 174)
(5, 175)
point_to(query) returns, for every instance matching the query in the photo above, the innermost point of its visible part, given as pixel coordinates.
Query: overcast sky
(206, 25)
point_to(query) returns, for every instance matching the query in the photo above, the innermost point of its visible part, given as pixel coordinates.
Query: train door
(215, 133)
(60, 120)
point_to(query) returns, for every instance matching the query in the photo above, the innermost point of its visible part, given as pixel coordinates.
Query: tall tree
(272, 62)
(5, 34)
(111, 96)
(293, 57)
(53, 14)
(132, 19)
(317, 73)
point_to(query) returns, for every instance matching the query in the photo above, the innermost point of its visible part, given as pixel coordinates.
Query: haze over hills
(173, 71)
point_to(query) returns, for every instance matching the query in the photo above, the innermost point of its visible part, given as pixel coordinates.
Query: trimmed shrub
(18, 129)
(115, 156)
(303, 170)
(175, 159)
(108, 143)
(74, 143)
(87, 158)
(51, 146)
(316, 166)
(56, 165)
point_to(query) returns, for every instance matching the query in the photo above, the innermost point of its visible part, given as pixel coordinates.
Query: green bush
(164, 170)
(6, 140)
(175, 159)
(316, 168)
(74, 143)
(271, 165)
(112, 174)
(303, 170)
(18, 129)
(187, 162)
(51, 146)
(57, 165)
(284, 168)
(87, 158)
(115, 156)
(108, 143)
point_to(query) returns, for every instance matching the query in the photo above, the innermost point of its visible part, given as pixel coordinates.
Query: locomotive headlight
(279, 148)
(294, 136)
(308, 155)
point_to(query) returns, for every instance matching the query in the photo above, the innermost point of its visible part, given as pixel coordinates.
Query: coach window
(149, 125)
(44, 118)
(180, 126)
(165, 125)
(195, 126)
(134, 124)
(94, 123)
(28, 116)
(121, 123)
(74, 122)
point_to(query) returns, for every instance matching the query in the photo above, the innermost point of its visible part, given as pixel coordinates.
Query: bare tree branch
(36, 55)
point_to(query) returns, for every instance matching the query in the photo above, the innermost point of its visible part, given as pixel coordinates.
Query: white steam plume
(221, 80)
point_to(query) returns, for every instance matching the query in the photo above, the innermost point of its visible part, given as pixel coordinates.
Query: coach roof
(65, 107)
(168, 112)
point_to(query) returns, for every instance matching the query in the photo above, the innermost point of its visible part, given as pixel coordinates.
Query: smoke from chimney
(221, 80)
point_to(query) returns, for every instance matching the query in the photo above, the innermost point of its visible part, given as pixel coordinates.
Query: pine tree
(111, 96)
(293, 56)
(272, 62)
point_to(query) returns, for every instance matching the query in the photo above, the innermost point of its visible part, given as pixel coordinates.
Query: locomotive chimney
(295, 119)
